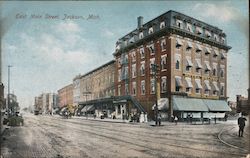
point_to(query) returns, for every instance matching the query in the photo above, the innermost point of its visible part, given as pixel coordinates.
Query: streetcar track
(175, 145)
(228, 144)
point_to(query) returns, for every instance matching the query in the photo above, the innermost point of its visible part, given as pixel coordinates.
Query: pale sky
(46, 54)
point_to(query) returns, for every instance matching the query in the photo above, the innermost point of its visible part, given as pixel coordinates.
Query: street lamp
(8, 96)
(155, 69)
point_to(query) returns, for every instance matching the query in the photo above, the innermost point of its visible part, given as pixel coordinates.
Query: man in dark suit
(241, 123)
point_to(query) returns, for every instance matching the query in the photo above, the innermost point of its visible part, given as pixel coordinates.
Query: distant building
(65, 96)
(242, 104)
(93, 86)
(189, 58)
(13, 105)
(46, 103)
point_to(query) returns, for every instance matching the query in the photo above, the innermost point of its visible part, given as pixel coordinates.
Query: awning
(207, 85)
(198, 48)
(178, 81)
(163, 104)
(198, 84)
(217, 105)
(215, 86)
(189, 104)
(84, 109)
(207, 50)
(189, 45)
(208, 68)
(189, 83)
(199, 66)
(189, 62)
(91, 108)
(178, 42)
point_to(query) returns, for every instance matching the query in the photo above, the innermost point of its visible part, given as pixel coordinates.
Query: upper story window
(198, 86)
(207, 85)
(215, 53)
(198, 48)
(223, 56)
(214, 69)
(163, 45)
(133, 88)
(151, 49)
(189, 84)
(198, 65)
(142, 68)
(215, 88)
(178, 43)
(189, 63)
(133, 70)
(207, 51)
(177, 61)
(150, 30)
(189, 46)
(142, 53)
(162, 24)
(179, 23)
(178, 83)
(140, 35)
(143, 89)
(207, 67)
(152, 62)
(189, 27)
(133, 55)
(222, 71)
(222, 89)
(164, 62)
(119, 75)
(163, 84)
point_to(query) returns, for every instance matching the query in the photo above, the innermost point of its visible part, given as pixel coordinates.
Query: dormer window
(150, 30)
(189, 27)
(198, 30)
(140, 35)
(179, 24)
(208, 34)
(215, 37)
(162, 24)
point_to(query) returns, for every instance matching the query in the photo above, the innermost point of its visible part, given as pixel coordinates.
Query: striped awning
(178, 81)
(198, 84)
(207, 85)
(189, 82)
(189, 104)
(217, 105)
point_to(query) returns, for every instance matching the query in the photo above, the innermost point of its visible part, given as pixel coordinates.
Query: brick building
(94, 86)
(65, 96)
(46, 103)
(191, 60)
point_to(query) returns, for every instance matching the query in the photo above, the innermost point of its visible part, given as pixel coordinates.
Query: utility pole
(8, 95)
(155, 71)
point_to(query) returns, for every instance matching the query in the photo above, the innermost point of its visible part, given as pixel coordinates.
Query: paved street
(48, 136)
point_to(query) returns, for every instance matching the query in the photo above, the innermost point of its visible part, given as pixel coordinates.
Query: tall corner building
(191, 60)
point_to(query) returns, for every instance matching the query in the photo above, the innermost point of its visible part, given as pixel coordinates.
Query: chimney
(140, 21)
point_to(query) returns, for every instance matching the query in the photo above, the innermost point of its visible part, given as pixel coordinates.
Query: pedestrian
(241, 123)
(175, 120)
(188, 118)
(159, 119)
(215, 119)
(191, 118)
(209, 119)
